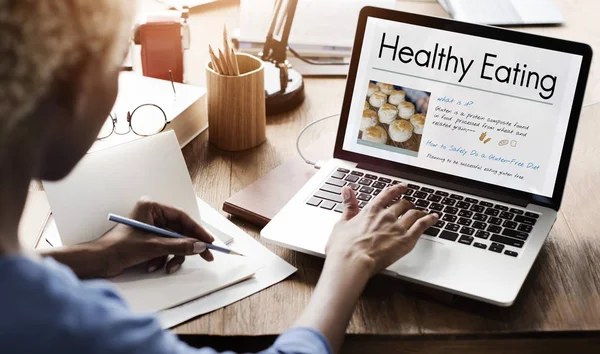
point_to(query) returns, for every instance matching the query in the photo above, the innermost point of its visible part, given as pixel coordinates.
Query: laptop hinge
(501, 197)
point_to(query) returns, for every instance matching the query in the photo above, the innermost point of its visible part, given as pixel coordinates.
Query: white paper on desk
(113, 180)
(316, 22)
(273, 271)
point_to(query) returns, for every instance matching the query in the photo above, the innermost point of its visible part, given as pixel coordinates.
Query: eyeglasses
(147, 119)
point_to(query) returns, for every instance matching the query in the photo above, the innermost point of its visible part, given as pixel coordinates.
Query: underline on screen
(464, 86)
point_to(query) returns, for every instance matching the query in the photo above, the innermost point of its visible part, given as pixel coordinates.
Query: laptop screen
(468, 106)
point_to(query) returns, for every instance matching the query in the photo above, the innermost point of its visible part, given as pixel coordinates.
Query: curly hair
(41, 41)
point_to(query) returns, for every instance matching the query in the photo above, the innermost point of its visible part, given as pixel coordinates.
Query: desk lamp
(284, 86)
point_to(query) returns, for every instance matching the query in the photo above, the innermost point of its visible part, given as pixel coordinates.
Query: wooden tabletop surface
(561, 294)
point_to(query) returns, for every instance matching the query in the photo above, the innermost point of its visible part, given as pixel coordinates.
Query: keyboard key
(427, 190)
(343, 170)
(485, 204)
(494, 229)
(395, 182)
(357, 173)
(495, 221)
(480, 217)
(525, 220)
(362, 204)
(354, 186)
(495, 247)
(339, 208)
(447, 235)
(365, 182)
(465, 213)
(432, 231)
(479, 225)
(376, 192)
(452, 227)
(466, 240)
(463, 205)
(524, 228)
(366, 189)
(336, 182)
(477, 208)
(482, 234)
(332, 189)
(379, 185)
(421, 209)
(436, 207)
(413, 186)
(464, 222)
(507, 241)
(352, 178)
(410, 199)
(471, 200)
(314, 201)
(492, 212)
(420, 195)
(457, 197)
(434, 198)
(450, 210)
(442, 193)
(532, 215)
(511, 253)
(327, 205)
(385, 180)
(506, 215)
(516, 234)
(422, 203)
(370, 176)
(510, 224)
(516, 211)
(449, 201)
(467, 230)
(409, 192)
(439, 223)
(364, 197)
(480, 245)
(501, 207)
(329, 196)
(338, 175)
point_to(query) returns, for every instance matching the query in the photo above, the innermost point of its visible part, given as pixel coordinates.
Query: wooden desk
(558, 308)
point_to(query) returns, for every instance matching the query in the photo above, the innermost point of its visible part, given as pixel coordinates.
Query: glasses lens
(107, 129)
(148, 120)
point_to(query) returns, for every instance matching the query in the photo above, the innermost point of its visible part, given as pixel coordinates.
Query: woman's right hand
(379, 234)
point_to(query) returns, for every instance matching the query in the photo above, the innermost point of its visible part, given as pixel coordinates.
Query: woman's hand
(383, 232)
(126, 247)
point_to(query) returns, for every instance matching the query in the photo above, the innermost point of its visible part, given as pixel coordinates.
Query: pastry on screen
(367, 105)
(400, 130)
(396, 97)
(377, 99)
(375, 134)
(406, 110)
(372, 89)
(387, 113)
(369, 119)
(418, 123)
(385, 88)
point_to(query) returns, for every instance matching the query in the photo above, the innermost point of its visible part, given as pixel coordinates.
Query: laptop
(478, 121)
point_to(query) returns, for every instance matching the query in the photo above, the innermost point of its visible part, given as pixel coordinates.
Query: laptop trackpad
(428, 258)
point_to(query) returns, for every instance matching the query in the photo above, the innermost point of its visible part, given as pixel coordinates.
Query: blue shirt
(45, 308)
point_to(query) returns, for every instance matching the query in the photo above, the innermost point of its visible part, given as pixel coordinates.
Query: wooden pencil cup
(236, 105)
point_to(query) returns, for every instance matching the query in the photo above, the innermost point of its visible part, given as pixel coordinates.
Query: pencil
(164, 233)
(236, 68)
(230, 58)
(225, 64)
(217, 65)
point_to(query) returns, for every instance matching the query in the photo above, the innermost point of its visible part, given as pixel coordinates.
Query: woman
(59, 64)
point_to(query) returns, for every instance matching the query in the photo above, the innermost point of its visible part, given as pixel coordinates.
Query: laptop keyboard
(466, 220)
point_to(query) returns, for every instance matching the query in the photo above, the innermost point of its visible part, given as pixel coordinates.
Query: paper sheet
(113, 180)
(273, 271)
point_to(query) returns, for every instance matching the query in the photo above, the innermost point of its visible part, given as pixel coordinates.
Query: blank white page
(505, 12)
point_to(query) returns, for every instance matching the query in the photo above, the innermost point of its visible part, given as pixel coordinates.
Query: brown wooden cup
(236, 105)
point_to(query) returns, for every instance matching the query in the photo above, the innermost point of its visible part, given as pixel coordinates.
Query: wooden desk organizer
(236, 105)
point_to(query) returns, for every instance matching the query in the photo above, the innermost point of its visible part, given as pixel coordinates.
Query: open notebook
(111, 181)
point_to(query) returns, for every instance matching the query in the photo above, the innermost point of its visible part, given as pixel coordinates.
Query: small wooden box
(236, 105)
